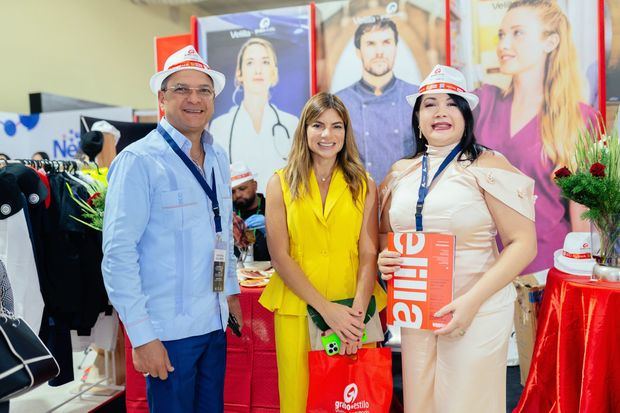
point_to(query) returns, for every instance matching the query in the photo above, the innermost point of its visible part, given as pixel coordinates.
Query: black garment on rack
(67, 255)
(10, 195)
(35, 192)
(21, 189)
(73, 288)
(72, 284)
(28, 180)
(56, 335)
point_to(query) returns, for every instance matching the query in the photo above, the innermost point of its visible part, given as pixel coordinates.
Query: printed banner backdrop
(265, 56)
(57, 133)
(534, 66)
(164, 47)
(612, 52)
(476, 24)
(396, 46)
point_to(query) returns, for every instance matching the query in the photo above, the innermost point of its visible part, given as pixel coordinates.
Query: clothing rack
(53, 165)
(105, 382)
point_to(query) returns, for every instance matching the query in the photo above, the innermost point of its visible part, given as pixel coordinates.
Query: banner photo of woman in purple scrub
(372, 54)
(265, 56)
(612, 49)
(537, 80)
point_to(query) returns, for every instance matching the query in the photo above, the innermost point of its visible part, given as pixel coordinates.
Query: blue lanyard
(211, 191)
(424, 185)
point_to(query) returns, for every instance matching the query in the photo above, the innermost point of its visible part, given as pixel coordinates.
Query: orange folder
(423, 284)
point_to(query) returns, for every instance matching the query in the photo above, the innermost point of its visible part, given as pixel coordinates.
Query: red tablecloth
(576, 361)
(135, 384)
(251, 383)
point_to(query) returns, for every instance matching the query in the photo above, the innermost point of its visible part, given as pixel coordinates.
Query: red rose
(563, 172)
(94, 196)
(598, 169)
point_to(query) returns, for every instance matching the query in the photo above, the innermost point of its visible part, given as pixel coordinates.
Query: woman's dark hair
(42, 154)
(471, 150)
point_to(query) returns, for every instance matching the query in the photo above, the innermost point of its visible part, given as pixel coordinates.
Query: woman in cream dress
(461, 367)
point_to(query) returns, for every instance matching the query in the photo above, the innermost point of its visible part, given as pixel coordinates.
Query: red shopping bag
(350, 384)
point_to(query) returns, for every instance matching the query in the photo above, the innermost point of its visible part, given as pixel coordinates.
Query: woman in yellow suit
(322, 233)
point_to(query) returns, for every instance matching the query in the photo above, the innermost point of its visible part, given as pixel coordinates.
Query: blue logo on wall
(68, 145)
(28, 121)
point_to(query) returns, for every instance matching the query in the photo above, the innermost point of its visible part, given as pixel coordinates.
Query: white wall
(99, 50)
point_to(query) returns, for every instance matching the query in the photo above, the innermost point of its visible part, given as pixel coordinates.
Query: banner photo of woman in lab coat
(265, 56)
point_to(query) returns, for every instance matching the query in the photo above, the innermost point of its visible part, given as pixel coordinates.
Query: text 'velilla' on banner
(423, 284)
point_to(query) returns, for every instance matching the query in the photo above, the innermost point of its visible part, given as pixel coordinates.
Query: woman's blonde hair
(298, 168)
(270, 49)
(561, 118)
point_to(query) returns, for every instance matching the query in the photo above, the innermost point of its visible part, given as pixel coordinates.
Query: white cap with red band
(187, 59)
(240, 173)
(445, 79)
(576, 255)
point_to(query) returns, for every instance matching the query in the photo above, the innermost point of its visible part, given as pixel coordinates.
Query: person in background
(249, 205)
(91, 144)
(381, 121)
(322, 235)
(40, 156)
(460, 367)
(537, 120)
(111, 136)
(168, 263)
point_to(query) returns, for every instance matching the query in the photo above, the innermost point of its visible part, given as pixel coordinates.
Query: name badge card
(219, 265)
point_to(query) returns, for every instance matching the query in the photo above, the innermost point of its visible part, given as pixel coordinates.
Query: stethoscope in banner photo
(279, 132)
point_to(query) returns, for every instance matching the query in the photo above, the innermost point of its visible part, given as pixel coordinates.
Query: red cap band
(441, 85)
(189, 63)
(237, 177)
(584, 256)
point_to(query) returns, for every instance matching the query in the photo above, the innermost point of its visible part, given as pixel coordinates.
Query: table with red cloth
(576, 361)
(251, 383)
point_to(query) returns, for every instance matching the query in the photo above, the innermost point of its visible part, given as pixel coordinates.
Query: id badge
(219, 265)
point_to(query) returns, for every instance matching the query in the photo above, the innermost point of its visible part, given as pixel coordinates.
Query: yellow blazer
(323, 243)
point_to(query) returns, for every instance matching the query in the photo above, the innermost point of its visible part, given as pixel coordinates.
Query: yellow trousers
(292, 346)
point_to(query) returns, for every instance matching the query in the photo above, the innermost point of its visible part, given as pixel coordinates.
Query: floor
(513, 388)
(47, 399)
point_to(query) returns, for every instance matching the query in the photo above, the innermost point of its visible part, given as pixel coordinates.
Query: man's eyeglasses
(182, 90)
